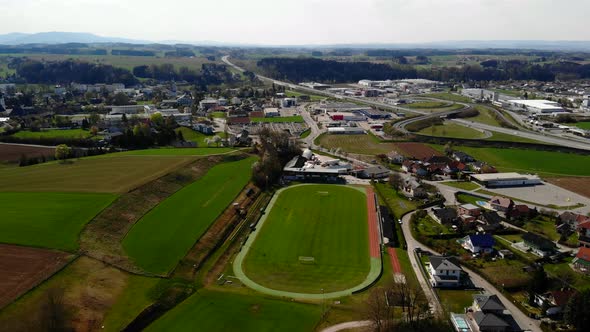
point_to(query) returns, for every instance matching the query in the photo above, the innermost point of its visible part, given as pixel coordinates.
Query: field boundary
(374, 271)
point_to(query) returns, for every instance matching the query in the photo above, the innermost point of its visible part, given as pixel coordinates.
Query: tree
(576, 310)
(449, 148)
(157, 119)
(85, 124)
(93, 119)
(180, 136)
(120, 99)
(62, 152)
(395, 180)
(216, 140)
(378, 311)
(537, 284)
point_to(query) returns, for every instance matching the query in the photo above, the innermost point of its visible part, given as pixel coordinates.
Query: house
(581, 262)
(573, 219)
(395, 157)
(489, 221)
(519, 211)
(555, 301)
(501, 204)
(375, 172)
(413, 188)
(462, 157)
(445, 215)
(478, 243)
(584, 234)
(489, 314)
(539, 245)
(470, 210)
(444, 272)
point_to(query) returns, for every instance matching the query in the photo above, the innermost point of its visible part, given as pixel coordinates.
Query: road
(523, 133)
(523, 320)
(313, 126)
(412, 245)
(348, 325)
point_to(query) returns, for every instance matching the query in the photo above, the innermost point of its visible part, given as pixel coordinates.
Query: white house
(444, 272)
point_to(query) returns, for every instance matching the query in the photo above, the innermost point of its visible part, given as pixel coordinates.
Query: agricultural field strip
(375, 266)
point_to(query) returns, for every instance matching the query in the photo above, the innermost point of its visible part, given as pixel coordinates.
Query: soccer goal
(306, 260)
(323, 193)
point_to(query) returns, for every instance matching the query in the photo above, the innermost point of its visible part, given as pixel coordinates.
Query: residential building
(445, 272)
(489, 314)
(445, 215)
(462, 157)
(470, 210)
(501, 204)
(581, 262)
(584, 234)
(555, 300)
(478, 243)
(489, 221)
(396, 157)
(573, 219)
(539, 245)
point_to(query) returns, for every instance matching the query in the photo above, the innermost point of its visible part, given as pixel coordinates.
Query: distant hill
(61, 38)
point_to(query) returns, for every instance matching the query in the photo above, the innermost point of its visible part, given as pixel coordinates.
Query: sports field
(94, 174)
(315, 237)
(216, 311)
(51, 220)
(163, 236)
(542, 162)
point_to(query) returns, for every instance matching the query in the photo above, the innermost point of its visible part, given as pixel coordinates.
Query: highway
(522, 133)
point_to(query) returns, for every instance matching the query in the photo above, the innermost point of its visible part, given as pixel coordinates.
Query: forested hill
(329, 71)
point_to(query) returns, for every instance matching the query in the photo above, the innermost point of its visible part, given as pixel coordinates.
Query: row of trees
(210, 74)
(313, 69)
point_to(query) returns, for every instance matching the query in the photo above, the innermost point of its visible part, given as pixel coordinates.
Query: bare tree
(396, 180)
(378, 311)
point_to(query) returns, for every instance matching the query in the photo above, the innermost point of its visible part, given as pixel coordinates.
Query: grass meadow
(163, 236)
(51, 220)
(55, 133)
(112, 174)
(222, 311)
(307, 222)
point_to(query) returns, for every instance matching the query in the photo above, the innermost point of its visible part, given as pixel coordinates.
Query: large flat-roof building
(537, 106)
(309, 166)
(506, 179)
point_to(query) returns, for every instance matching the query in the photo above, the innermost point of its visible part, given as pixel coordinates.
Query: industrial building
(375, 113)
(537, 106)
(346, 130)
(506, 179)
(346, 116)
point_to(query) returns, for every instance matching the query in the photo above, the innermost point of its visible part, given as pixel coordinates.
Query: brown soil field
(22, 268)
(416, 150)
(13, 152)
(579, 185)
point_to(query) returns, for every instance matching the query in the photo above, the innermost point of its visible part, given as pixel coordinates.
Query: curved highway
(523, 133)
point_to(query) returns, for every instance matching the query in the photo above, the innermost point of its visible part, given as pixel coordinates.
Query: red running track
(374, 242)
(397, 268)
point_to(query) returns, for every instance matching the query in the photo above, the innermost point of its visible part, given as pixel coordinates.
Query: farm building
(506, 179)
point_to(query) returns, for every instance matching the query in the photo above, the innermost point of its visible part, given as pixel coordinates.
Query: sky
(299, 22)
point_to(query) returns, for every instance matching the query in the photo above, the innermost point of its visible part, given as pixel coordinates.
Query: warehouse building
(537, 106)
(311, 167)
(346, 131)
(494, 180)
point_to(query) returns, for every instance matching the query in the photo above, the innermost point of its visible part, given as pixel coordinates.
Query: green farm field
(307, 222)
(56, 133)
(219, 311)
(448, 96)
(294, 118)
(51, 220)
(179, 152)
(99, 174)
(163, 236)
(541, 162)
(359, 144)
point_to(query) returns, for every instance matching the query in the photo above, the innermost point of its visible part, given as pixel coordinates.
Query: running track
(374, 242)
(397, 268)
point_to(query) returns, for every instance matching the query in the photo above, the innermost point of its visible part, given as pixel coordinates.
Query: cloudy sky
(304, 21)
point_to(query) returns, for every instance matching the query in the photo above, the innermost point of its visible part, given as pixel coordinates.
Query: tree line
(40, 72)
(210, 74)
(329, 71)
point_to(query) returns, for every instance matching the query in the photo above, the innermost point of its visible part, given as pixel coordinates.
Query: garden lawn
(541, 162)
(306, 222)
(455, 300)
(163, 236)
(216, 311)
(113, 174)
(398, 203)
(465, 199)
(462, 185)
(51, 220)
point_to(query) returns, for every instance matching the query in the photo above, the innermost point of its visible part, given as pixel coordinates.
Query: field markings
(372, 276)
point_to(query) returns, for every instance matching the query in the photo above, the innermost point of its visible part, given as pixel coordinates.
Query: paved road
(348, 325)
(313, 126)
(412, 245)
(523, 320)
